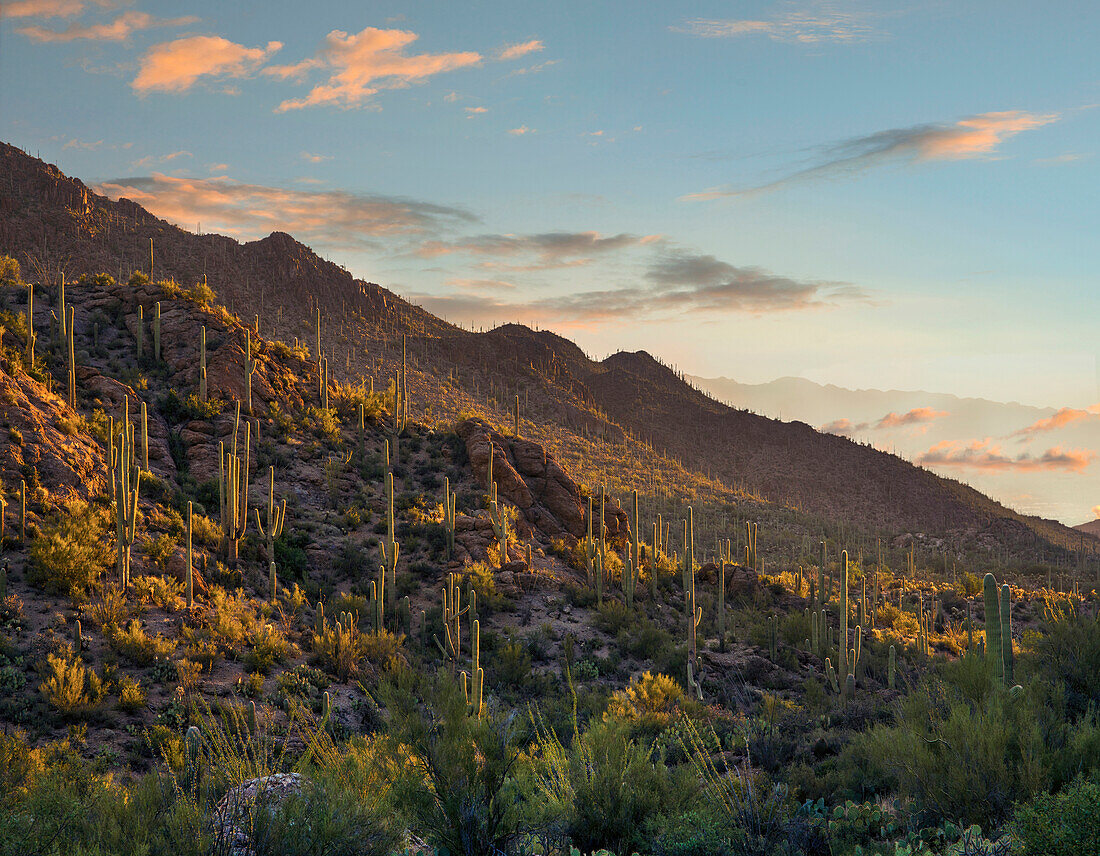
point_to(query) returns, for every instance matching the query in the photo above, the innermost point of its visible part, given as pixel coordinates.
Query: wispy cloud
(520, 131)
(1065, 416)
(360, 65)
(537, 252)
(44, 8)
(178, 65)
(329, 218)
(972, 137)
(523, 49)
(473, 111)
(150, 160)
(312, 158)
(988, 456)
(747, 290)
(116, 31)
(918, 416)
(812, 23)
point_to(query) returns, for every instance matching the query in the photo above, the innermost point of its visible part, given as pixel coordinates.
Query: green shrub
(1062, 824)
(70, 551)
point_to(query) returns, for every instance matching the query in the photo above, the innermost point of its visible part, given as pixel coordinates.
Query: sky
(894, 195)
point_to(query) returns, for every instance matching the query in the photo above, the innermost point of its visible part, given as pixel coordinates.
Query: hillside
(630, 403)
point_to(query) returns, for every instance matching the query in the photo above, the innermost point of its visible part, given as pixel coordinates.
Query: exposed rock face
(69, 463)
(233, 817)
(529, 477)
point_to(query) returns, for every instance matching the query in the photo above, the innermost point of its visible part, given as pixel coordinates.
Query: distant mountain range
(1007, 459)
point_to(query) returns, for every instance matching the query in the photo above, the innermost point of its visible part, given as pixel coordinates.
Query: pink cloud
(41, 8)
(842, 427)
(329, 218)
(362, 64)
(916, 416)
(985, 455)
(1065, 416)
(516, 51)
(116, 31)
(177, 65)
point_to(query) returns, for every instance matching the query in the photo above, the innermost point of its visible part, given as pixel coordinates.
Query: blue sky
(869, 194)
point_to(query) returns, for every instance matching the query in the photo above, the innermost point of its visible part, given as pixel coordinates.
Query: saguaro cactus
(126, 500)
(156, 332)
(233, 490)
(390, 548)
(994, 650)
(843, 652)
(70, 348)
(450, 499)
(694, 613)
(190, 562)
(202, 364)
(633, 565)
(276, 517)
(140, 330)
(30, 325)
(250, 366)
(1006, 632)
(473, 686)
(452, 623)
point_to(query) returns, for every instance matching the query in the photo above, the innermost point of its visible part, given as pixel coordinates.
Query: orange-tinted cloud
(41, 8)
(177, 65)
(328, 218)
(916, 416)
(117, 30)
(842, 427)
(516, 51)
(967, 138)
(1096, 510)
(363, 63)
(1065, 416)
(986, 455)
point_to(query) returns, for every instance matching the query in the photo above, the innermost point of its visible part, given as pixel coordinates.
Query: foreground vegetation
(697, 673)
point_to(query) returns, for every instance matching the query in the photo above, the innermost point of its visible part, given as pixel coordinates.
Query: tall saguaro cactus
(31, 336)
(694, 613)
(276, 517)
(1006, 632)
(250, 366)
(69, 346)
(633, 567)
(450, 499)
(843, 648)
(390, 548)
(202, 364)
(190, 581)
(127, 480)
(233, 489)
(994, 651)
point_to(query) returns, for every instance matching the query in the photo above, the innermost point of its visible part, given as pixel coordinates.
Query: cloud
(315, 158)
(482, 284)
(533, 69)
(475, 110)
(842, 427)
(1096, 510)
(705, 283)
(916, 416)
(520, 131)
(41, 8)
(1065, 416)
(328, 218)
(987, 456)
(743, 290)
(972, 137)
(115, 31)
(177, 65)
(81, 144)
(149, 160)
(362, 64)
(820, 22)
(516, 51)
(545, 250)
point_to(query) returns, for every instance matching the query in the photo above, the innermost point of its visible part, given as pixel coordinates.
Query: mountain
(912, 422)
(628, 420)
(1090, 528)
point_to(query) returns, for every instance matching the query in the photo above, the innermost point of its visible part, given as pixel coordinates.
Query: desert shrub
(460, 791)
(650, 702)
(70, 551)
(109, 609)
(132, 643)
(694, 833)
(479, 577)
(159, 549)
(614, 615)
(68, 686)
(131, 697)
(339, 648)
(269, 647)
(605, 789)
(1068, 652)
(1062, 824)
